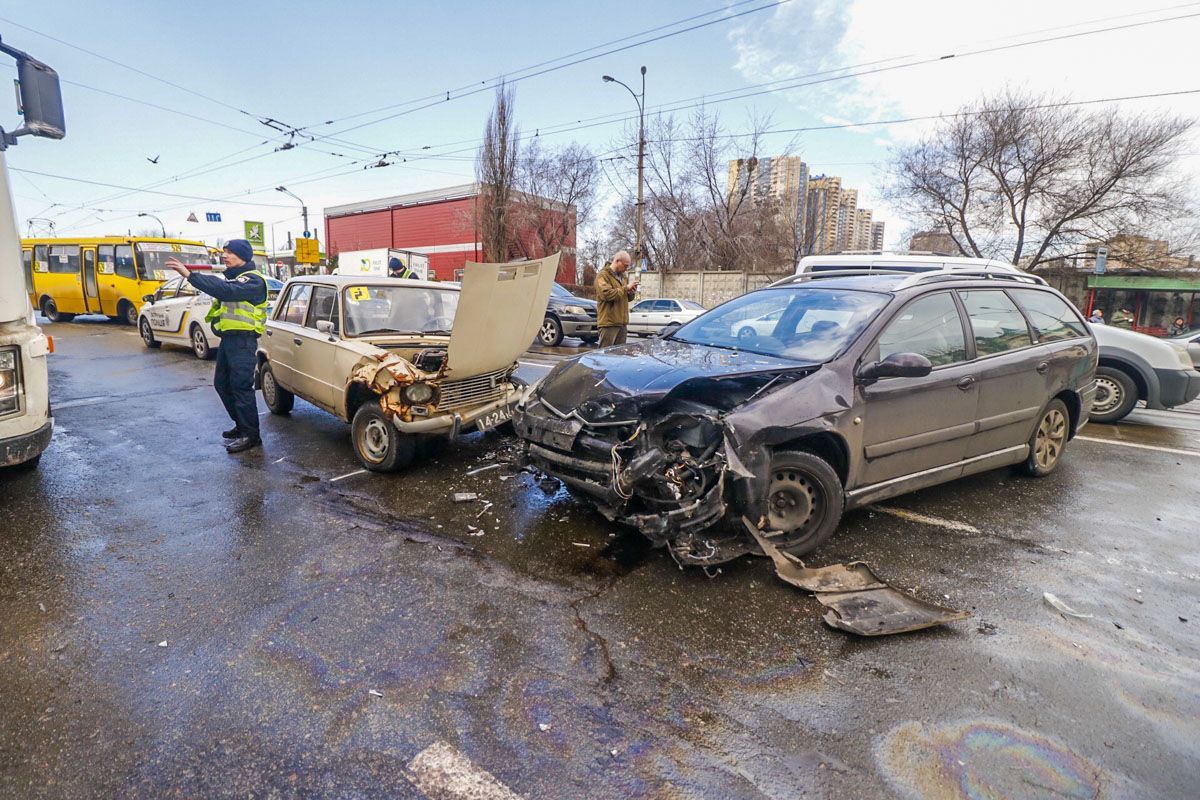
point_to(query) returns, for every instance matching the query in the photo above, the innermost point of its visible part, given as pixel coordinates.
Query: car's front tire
(1048, 441)
(1116, 395)
(804, 501)
(200, 346)
(551, 332)
(147, 334)
(277, 399)
(377, 443)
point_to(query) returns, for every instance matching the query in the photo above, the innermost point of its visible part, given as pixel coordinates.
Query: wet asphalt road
(177, 621)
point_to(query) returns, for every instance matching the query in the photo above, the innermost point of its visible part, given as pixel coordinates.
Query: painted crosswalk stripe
(913, 516)
(1172, 450)
(443, 773)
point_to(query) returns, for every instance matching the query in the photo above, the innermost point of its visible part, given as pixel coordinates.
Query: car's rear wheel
(377, 443)
(804, 501)
(200, 344)
(50, 311)
(1116, 395)
(148, 334)
(1049, 440)
(127, 312)
(277, 399)
(551, 332)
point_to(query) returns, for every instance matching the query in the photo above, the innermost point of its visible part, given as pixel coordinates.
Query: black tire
(50, 311)
(1049, 440)
(1116, 395)
(147, 334)
(377, 443)
(277, 399)
(551, 332)
(589, 339)
(200, 346)
(747, 334)
(804, 501)
(127, 312)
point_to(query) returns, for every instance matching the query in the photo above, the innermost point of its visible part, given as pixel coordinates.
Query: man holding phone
(612, 300)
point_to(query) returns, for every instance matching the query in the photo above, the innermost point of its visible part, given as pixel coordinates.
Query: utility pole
(156, 219)
(640, 99)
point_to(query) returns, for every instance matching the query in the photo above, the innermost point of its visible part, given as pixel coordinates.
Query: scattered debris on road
(1063, 608)
(465, 497)
(483, 469)
(374, 693)
(857, 600)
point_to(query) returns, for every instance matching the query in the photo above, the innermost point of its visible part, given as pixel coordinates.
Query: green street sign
(254, 234)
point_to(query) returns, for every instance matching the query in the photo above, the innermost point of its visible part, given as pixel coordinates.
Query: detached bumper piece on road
(858, 602)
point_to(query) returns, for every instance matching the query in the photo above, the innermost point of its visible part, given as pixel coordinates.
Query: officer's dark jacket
(235, 286)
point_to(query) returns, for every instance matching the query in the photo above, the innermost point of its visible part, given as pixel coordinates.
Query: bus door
(106, 271)
(91, 289)
(66, 278)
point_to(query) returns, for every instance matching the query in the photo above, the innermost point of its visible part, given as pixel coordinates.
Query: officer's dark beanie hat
(240, 248)
(395, 264)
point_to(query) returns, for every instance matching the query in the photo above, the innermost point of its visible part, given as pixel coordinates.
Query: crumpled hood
(648, 370)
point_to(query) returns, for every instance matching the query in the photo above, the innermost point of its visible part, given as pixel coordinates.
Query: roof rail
(960, 274)
(838, 273)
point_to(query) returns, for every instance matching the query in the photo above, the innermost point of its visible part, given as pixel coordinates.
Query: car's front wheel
(1049, 440)
(148, 334)
(278, 399)
(551, 332)
(200, 344)
(377, 443)
(1116, 395)
(804, 501)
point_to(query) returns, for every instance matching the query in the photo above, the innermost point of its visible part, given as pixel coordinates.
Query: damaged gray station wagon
(819, 394)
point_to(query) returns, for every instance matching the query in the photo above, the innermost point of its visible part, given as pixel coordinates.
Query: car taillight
(10, 380)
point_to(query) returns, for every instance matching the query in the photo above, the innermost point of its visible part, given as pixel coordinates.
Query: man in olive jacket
(612, 300)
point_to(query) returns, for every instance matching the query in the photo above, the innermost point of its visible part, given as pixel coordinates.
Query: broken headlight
(418, 394)
(597, 410)
(10, 395)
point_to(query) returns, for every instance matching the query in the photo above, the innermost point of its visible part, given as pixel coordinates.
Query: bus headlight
(10, 398)
(418, 394)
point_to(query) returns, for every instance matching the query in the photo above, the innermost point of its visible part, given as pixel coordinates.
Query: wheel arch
(357, 394)
(827, 445)
(1070, 399)
(1140, 373)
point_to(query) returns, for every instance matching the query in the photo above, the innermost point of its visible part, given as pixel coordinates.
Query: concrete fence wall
(709, 289)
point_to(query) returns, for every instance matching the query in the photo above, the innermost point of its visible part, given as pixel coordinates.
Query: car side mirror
(897, 365)
(148, 298)
(326, 327)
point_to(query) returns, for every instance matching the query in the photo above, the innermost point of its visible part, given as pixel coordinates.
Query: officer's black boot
(243, 443)
(233, 433)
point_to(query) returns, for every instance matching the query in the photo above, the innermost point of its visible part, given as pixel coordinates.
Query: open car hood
(499, 312)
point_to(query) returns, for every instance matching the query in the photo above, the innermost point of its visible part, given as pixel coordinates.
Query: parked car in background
(175, 314)
(650, 317)
(403, 359)
(868, 386)
(568, 315)
(1133, 366)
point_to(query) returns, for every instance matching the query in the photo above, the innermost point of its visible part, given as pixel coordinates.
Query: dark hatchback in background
(862, 387)
(568, 315)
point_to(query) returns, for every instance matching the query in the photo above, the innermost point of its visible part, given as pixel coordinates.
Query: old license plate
(493, 418)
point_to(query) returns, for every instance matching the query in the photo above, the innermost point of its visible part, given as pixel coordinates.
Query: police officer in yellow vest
(238, 315)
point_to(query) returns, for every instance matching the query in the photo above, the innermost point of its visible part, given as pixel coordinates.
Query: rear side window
(997, 323)
(296, 307)
(929, 326)
(1052, 317)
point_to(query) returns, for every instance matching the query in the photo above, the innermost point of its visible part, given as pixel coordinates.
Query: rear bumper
(1177, 386)
(27, 447)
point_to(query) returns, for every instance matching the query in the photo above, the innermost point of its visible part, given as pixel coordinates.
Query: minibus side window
(124, 266)
(39, 258)
(106, 262)
(64, 259)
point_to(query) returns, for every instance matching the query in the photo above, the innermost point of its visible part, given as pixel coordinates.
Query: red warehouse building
(441, 224)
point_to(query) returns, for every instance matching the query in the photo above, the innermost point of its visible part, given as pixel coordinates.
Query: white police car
(175, 315)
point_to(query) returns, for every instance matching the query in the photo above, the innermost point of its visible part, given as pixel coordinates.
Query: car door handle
(966, 383)
(1042, 367)
(297, 341)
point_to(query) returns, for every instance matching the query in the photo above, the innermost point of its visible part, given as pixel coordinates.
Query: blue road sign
(212, 216)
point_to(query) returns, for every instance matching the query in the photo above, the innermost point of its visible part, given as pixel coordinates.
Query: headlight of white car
(418, 393)
(1185, 357)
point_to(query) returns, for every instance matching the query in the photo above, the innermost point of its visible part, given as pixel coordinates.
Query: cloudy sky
(195, 83)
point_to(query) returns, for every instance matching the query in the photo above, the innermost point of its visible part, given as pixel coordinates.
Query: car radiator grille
(472, 391)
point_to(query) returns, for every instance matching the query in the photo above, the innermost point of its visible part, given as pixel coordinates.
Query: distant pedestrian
(1097, 317)
(1178, 328)
(238, 315)
(1123, 318)
(612, 300)
(398, 269)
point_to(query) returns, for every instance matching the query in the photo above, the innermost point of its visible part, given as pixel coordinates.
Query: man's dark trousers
(234, 380)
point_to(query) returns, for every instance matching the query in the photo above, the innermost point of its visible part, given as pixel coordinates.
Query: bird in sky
(155, 159)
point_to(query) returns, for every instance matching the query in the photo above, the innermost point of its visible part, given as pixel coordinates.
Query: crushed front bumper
(451, 423)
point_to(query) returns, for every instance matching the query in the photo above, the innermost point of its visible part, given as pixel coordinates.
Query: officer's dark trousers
(234, 380)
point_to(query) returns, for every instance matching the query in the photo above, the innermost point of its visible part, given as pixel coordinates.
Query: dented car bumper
(484, 417)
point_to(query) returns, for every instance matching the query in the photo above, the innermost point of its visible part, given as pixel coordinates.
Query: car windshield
(398, 309)
(152, 258)
(804, 323)
(559, 291)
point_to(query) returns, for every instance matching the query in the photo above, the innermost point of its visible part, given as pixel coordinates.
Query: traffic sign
(308, 251)
(212, 216)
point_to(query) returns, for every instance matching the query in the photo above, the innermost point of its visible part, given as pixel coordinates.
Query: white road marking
(913, 516)
(442, 772)
(1172, 450)
(347, 475)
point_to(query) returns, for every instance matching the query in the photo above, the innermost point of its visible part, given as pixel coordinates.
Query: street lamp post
(156, 219)
(303, 207)
(640, 99)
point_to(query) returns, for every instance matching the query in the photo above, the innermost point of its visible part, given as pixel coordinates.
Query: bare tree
(496, 169)
(557, 192)
(1030, 178)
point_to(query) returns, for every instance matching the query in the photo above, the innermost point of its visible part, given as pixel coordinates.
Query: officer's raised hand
(178, 266)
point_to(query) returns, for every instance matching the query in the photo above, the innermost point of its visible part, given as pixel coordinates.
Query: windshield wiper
(387, 330)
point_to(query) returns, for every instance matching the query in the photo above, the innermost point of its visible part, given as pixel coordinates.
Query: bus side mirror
(40, 98)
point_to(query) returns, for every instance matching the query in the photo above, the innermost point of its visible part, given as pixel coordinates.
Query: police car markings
(347, 475)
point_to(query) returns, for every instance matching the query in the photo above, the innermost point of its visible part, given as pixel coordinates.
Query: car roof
(912, 282)
(339, 281)
(931, 261)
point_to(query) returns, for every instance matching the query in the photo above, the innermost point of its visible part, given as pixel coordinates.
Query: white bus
(25, 420)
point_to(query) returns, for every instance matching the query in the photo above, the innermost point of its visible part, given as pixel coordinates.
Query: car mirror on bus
(897, 365)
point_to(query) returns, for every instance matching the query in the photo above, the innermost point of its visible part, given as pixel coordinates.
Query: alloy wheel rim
(375, 440)
(549, 333)
(198, 342)
(147, 337)
(1108, 395)
(1051, 436)
(792, 500)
